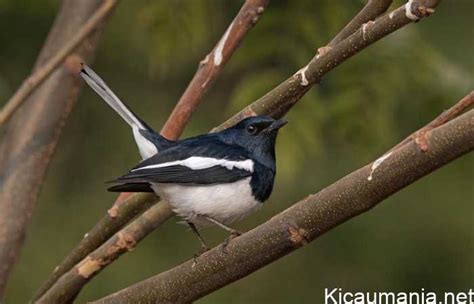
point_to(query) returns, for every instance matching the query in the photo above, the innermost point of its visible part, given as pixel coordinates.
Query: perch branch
(304, 221)
(208, 70)
(31, 135)
(37, 78)
(278, 101)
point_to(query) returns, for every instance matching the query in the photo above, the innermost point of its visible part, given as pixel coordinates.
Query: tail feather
(101, 88)
(148, 141)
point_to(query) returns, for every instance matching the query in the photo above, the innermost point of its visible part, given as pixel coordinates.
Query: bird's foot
(233, 234)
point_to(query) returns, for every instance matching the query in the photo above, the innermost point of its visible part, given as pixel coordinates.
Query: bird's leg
(203, 243)
(233, 232)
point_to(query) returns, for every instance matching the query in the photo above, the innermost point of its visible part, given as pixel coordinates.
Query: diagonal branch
(117, 216)
(369, 12)
(306, 220)
(31, 135)
(70, 284)
(420, 135)
(41, 74)
(211, 66)
(129, 205)
(281, 99)
(160, 213)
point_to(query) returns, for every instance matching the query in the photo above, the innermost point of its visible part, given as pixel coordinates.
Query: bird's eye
(252, 129)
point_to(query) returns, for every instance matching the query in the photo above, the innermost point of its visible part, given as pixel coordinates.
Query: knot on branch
(415, 10)
(323, 51)
(126, 241)
(72, 63)
(88, 267)
(298, 236)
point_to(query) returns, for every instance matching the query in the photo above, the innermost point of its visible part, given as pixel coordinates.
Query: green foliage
(422, 237)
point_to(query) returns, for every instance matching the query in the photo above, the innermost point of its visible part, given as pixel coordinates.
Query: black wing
(203, 146)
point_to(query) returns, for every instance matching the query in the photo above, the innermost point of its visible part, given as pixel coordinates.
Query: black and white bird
(215, 178)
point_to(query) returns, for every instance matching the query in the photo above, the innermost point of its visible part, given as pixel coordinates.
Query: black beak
(277, 124)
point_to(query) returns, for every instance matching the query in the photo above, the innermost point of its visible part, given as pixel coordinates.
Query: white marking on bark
(220, 46)
(377, 163)
(364, 28)
(391, 15)
(198, 163)
(408, 12)
(302, 72)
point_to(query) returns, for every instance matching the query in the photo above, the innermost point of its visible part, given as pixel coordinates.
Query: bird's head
(257, 134)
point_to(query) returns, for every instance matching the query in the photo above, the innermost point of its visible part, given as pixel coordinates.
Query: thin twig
(37, 78)
(304, 221)
(207, 72)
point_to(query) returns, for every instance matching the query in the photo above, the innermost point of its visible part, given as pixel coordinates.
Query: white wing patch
(198, 163)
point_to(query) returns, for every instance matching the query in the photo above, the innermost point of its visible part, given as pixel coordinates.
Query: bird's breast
(226, 202)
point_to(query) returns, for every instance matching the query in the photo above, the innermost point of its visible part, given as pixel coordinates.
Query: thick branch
(305, 220)
(41, 74)
(208, 71)
(31, 135)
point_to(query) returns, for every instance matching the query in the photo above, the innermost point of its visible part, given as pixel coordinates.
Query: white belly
(225, 203)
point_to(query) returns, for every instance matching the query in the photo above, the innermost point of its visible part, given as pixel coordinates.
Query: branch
(71, 283)
(116, 217)
(281, 99)
(208, 71)
(369, 12)
(211, 66)
(31, 135)
(420, 135)
(306, 220)
(278, 101)
(41, 74)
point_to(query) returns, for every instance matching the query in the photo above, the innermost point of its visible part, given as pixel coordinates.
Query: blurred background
(422, 237)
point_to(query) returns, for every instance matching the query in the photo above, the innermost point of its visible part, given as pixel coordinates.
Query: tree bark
(31, 135)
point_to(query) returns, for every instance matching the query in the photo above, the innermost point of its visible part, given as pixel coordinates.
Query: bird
(210, 179)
